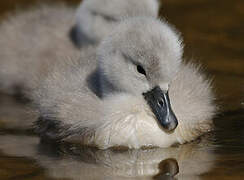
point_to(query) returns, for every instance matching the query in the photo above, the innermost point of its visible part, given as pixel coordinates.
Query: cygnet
(140, 94)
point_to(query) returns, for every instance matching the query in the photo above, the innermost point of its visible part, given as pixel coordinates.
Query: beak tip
(173, 127)
(170, 126)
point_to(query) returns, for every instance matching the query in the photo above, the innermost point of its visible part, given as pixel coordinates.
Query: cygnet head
(96, 18)
(141, 57)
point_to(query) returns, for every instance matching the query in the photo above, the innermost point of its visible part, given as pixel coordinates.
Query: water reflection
(14, 115)
(74, 162)
(168, 168)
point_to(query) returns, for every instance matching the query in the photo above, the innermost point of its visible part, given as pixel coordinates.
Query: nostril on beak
(161, 103)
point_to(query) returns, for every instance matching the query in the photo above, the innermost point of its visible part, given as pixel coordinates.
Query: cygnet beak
(160, 105)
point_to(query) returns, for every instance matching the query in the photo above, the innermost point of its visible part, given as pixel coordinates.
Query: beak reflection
(159, 103)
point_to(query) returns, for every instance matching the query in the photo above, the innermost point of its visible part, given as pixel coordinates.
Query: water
(213, 33)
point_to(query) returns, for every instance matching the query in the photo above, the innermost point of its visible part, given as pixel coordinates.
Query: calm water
(213, 33)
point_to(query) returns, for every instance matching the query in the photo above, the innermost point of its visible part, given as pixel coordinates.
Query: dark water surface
(213, 32)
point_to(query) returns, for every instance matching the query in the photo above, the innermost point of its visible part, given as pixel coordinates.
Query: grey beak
(160, 105)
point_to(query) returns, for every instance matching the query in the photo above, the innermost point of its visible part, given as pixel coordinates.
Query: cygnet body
(140, 93)
(32, 41)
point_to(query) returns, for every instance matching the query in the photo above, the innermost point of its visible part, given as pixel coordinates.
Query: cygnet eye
(104, 16)
(108, 18)
(141, 70)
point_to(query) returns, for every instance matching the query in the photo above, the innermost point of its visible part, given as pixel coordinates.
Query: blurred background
(213, 33)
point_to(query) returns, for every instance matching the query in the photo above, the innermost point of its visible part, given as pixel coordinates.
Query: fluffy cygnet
(32, 41)
(96, 18)
(141, 94)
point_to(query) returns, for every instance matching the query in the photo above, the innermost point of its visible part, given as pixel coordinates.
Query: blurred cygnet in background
(96, 18)
(33, 40)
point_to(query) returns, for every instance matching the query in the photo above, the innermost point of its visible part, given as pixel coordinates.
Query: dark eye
(104, 16)
(141, 70)
(108, 18)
